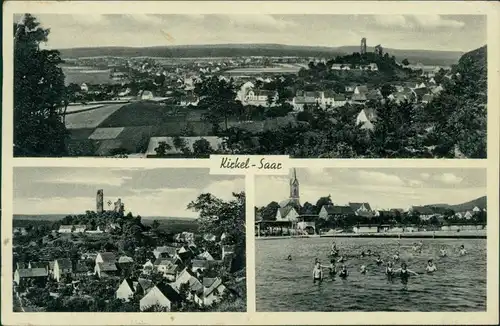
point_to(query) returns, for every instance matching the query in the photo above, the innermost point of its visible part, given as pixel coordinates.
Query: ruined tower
(362, 49)
(294, 188)
(100, 201)
(379, 50)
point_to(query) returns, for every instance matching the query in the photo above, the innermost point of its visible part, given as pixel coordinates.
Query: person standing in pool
(404, 274)
(462, 251)
(379, 260)
(317, 273)
(430, 268)
(443, 252)
(363, 269)
(344, 272)
(389, 271)
(332, 270)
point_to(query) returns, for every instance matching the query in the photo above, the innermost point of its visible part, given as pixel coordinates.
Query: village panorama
(171, 100)
(106, 260)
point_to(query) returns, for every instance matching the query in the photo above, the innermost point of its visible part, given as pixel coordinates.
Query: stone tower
(379, 50)
(294, 189)
(100, 201)
(362, 49)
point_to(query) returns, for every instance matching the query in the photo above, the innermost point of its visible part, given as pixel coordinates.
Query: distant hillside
(479, 202)
(57, 217)
(237, 50)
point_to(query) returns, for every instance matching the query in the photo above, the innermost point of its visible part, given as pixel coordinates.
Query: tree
(322, 202)
(218, 96)
(38, 93)
(162, 149)
(202, 147)
(156, 224)
(269, 212)
(217, 216)
(405, 62)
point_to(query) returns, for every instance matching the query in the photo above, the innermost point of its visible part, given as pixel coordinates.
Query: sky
(423, 32)
(145, 192)
(382, 188)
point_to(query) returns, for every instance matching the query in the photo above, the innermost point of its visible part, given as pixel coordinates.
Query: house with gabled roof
(165, 252)
(147, 267)
(424, 212)
(361, 209)
(65, 229)
(198, 265)
(334, 211)
(188, 277)
(129, 287)
(366, 118)
(21, 275)
(287, 213)
(213, 289)
(62, 267)
(162, 295)
(205, 255)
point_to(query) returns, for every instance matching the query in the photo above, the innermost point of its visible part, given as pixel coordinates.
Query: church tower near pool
(294, 189)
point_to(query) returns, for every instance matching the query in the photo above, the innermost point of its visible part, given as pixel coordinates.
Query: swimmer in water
(369, 252)
(415, 246)
(363, 269)
(462, 250)
(379, 260)
(343, 272)
(317, 273)
(362, 254)
(341, 259)
(332, 270)
(389, 271)
(404, 273)
(443, 252)
(289, 257)
(396, 256)
(430, 268)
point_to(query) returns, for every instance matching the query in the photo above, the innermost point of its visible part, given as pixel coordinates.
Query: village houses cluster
(288, 215)
(179, 264)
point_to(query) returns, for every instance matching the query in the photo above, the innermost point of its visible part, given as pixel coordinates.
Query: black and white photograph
(388, 239)
(128, 240)
(308, 86)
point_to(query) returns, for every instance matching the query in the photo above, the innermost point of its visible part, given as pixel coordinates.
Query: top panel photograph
(307, 86)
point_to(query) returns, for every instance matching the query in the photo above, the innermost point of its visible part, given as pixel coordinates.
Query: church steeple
(294, 188)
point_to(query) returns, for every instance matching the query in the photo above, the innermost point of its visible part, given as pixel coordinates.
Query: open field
(264, 70)
(91, 118)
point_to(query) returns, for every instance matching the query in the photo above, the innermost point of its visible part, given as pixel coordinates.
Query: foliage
(38, 93)
(217, 216)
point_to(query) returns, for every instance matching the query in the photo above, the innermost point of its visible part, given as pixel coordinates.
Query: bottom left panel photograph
(128, 240)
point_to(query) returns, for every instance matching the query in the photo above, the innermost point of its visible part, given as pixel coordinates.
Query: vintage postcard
(250, 163)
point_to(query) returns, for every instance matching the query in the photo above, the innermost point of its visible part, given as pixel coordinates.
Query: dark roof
(108, 256)
(144, 283)
(356, 206)
(284, 211)
(359, 97)
(362, 88)
(338, 210)
(169, 292)
(199, 263)
(80, 267)
(107, 267)
(171, 251)
(423, 210)
(32, 272)
(64, 263)
(208, 281)
(39, 264)
(130, 283)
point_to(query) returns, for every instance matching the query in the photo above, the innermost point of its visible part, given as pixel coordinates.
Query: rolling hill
(429, 57)
(479, 202)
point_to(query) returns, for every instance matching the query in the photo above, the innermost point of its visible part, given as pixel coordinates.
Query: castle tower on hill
(100, 201)
(362, 49)
(294, 189)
